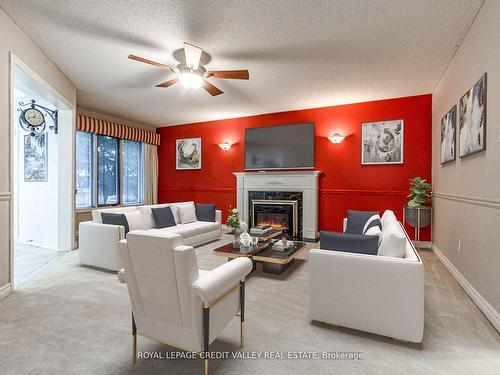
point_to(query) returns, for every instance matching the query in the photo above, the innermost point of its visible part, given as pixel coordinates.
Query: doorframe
(15, 61)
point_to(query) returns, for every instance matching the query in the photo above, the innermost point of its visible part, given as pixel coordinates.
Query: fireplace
(300, 186)
(280, 214)
(280, 209)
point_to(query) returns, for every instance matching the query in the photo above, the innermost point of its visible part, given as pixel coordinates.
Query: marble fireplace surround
(305, 182)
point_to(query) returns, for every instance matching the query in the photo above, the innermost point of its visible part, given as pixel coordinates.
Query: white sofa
(98, 242)
(371, 293)
(172, 300)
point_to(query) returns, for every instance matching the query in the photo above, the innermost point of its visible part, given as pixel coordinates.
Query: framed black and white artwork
(382, 142)
(449, 136)
(35, 158)
(472, 132)
(188, 153)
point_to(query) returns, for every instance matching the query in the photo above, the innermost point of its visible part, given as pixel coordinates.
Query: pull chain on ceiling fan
(191, 74)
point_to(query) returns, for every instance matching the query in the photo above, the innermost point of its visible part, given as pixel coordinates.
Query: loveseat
(372, 293)
(98, 242)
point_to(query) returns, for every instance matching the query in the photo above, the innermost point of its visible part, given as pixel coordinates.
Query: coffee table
(273, 261)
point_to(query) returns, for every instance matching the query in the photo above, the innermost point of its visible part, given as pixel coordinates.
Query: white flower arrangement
(233, 220)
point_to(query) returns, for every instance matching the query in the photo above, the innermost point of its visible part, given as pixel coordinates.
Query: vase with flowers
(237, 226)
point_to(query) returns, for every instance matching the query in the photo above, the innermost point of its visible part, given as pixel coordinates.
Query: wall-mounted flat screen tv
(280, 147)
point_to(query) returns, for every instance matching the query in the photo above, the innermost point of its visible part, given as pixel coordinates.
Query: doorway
(42, 170)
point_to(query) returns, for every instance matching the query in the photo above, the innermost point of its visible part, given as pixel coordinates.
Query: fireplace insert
(280, 214)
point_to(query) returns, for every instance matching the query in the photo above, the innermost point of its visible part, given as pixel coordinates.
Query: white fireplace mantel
(303, 181)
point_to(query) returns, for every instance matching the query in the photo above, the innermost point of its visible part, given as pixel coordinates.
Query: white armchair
(174, 302)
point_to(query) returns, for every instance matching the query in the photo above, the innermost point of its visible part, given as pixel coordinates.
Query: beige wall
(467, 191)
(12, 39)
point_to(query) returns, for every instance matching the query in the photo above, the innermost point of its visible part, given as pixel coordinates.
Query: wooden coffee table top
(229, 251)
(263, 252)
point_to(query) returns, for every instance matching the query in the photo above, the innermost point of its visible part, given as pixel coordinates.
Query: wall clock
(32, 119)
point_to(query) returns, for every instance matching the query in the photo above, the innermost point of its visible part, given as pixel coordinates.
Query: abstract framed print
(382, 142)
(472, 115)
(449, 136)
(188, 153)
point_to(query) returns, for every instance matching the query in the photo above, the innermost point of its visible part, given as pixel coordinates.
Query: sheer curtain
(150, 174)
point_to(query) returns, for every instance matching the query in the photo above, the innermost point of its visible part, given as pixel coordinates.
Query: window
(84, 169)
(107, 170)
(132, 172)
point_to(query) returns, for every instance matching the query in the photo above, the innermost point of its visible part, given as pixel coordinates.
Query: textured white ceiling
(300, 54)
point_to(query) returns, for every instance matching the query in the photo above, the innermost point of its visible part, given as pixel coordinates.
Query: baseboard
(5, 290)
(488, 310)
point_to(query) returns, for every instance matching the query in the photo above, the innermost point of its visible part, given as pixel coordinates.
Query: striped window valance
(113, 129)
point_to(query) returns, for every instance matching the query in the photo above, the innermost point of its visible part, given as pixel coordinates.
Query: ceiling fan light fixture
(191, 80)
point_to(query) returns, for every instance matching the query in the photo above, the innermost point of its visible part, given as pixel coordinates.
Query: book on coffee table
(261, 229)
(280, 246)
(267, 236)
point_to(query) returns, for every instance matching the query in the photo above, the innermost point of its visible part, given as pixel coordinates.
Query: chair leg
(134, 340)
(242, 334)
(206, 334)
(242, 312)
(134, 349)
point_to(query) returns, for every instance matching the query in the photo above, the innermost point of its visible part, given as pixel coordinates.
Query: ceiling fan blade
(211, 89)
(151, 62)
(168, 83)
(228, 74)
(193, 55)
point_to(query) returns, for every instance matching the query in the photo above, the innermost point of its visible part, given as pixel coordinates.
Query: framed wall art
(188, 153)
(472, 132)
(382, 142)
(449, 136)
(35, 158)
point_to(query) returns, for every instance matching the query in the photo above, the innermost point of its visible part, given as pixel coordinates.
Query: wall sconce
(225, 146)
(336, 138)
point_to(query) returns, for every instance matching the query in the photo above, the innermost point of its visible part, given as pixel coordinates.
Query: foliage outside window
(132, 173)
(109, 171)
(84, 170)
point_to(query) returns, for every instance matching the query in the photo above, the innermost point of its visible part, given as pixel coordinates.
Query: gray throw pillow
(347, 242)
(163, 217)
(357, 221)
(205, 212)
(115, 219)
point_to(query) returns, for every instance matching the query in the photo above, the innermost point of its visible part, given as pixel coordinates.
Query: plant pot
(411, 216)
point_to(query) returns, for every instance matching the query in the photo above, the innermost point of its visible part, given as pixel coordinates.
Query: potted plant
(420, 197)
(237, 226)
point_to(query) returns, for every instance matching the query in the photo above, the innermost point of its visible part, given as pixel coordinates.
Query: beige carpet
(76, 320)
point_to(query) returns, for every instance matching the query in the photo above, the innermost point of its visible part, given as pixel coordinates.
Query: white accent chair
(371, 293)
(175, 303)
(98, 242)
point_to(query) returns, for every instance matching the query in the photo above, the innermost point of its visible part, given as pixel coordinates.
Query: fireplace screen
(280, 214)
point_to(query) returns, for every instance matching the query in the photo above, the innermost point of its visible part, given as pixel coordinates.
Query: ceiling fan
(191, 74)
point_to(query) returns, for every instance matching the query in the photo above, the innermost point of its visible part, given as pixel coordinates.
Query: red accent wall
(344, 184)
